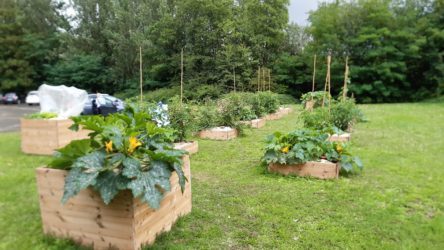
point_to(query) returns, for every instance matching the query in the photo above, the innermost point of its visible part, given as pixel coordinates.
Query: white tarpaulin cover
(65, 101)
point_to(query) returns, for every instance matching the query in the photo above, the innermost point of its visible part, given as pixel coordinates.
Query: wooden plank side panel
(275, 116)
(321, 170)
(149, 223)
(43, 137)
(84, 218)
(126, 223)
(218, 135)
(191, 147)
(346, 137)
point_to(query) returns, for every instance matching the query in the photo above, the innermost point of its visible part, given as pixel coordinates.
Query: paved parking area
(10, 116)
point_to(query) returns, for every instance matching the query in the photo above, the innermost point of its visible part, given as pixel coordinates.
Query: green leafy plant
(41, 116)
(301, 146)
(316, 97)
(181, 119)
(269, 101)
(340, 115)
(125, 151)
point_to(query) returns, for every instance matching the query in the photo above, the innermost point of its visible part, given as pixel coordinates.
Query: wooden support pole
(141, 77)
(263, 79)
(344, 90)
(269, 79)
(234, 79)
(327, 87)
(258, 78)
(314, 75)
(181, 76)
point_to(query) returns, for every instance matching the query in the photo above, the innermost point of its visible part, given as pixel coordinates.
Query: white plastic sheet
(65, 101)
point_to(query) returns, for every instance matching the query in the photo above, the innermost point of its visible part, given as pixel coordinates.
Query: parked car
(32, 98)
(102, 104)
(10, 98)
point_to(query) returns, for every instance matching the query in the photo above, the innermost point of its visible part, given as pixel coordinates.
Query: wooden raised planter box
(192, 147)
(126, 223)
(345, 137)
(275, 116)
(219, 133)
(322, 169)
(256, 123)
(281, 112)
(43, 137)
(285, 111)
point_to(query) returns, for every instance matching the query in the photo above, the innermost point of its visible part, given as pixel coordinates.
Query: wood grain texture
(256, 123)
(191, 147)
(125, 223)
(321, 170)
(43, 137)
(218, 134)
(346, 137)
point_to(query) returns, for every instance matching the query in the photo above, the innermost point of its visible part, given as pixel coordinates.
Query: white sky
(298, 11)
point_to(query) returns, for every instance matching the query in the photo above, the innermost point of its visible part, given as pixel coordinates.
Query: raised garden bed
(274, 116)
(285, 110)
(256, 123)
(192, 147)
(126, 223)
(322, 169)
(43, 137)
(219, 133)
(345, 137)
(309, 105)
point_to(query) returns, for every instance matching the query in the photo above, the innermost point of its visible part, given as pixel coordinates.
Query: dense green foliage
(303, 145)
(395, 48)
(43, 115)
(339, 115)
(318, 98)
(125, 151)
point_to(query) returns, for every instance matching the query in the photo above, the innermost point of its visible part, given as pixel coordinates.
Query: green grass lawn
(397, 202)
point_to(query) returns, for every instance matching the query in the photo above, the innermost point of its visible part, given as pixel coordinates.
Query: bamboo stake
(314, 75)
(234, 78)
(258, 78)
(269, 79)
(181, 76)
(327, 81)
(263, 79)
(344, 91)
(141, 77)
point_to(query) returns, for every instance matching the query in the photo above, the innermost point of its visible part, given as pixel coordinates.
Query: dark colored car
(10, 98)
(103, 104)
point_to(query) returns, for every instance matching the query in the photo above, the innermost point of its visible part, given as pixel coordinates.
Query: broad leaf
(131, 167)
(109, 184)
(149, 186)
(77, 180)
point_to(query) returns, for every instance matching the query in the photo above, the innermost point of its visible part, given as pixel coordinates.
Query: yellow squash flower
(133, 144)
(109, 146)
(339, 148)
(285, 149)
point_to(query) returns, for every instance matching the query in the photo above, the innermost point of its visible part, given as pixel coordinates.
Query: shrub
(305, 145)
(125, 151)
(206, 115)
(340, 115)
(269, 101)
(235, 107)
(181, 120)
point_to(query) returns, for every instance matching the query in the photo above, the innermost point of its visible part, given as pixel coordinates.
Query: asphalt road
(10, 116)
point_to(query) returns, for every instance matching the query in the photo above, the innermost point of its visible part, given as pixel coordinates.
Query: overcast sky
(299, 9)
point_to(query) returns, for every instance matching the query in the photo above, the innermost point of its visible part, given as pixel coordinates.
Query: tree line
(395, 47)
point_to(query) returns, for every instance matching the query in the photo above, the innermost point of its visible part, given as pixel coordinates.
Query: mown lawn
(397, 202)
